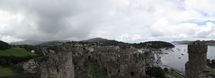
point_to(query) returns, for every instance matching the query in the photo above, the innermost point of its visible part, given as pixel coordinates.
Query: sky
(122, 20)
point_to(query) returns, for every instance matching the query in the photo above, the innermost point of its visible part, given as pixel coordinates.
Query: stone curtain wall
(80, 60)
(112, 61)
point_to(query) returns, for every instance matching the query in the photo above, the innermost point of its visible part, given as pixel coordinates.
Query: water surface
(178, 56)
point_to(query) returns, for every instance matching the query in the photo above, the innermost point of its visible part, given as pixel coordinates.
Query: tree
(4, 45)
(213, 63)
(156, 72)
(166, 69)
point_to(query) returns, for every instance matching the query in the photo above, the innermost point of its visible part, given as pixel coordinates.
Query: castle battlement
(197, 47)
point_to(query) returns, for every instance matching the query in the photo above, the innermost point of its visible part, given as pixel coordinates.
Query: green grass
(174, 74)
(95, 71)
(5, 72)
(16, 52)
(211, 70)
(14, 55)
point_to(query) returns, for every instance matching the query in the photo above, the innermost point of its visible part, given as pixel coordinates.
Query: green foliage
(211, 63)
(4, 45)
(95, 71)
(27, 47)
(16, 52)
(5, 72)
(104, 42)
(166, 69)
(156, 72)
(14, 55)
(10, 60)
(155, 44)
(173, 74)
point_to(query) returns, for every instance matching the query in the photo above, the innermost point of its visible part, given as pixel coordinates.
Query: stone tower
(197, 60)
(58, 62)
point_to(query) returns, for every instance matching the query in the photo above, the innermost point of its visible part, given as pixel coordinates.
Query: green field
(5, 72)
(16, 52)
(95, 71)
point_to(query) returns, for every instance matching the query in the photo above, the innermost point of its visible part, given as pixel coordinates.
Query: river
(178, 56)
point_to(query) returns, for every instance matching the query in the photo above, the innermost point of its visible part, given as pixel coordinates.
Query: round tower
(197, 59)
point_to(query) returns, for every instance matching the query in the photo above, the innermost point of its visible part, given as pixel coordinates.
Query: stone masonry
(197, 60)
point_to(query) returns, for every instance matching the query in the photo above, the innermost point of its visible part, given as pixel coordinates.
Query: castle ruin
(197, 60)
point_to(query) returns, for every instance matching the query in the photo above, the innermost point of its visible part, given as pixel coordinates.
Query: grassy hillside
(13, 56)
(9, 59)
(16, 52)
(155, 44)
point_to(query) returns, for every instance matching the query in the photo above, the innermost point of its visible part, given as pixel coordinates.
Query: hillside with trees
(11, 58)
(155, 44)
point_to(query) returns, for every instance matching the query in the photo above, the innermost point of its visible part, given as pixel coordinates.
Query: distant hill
(104, 42)
(51, 43)
(41, 43)
(4, 45)
(155, 44)
(28, 42)
(151, 44)
(182, 42)
(101, 42)
(209, 42)
(96, 40)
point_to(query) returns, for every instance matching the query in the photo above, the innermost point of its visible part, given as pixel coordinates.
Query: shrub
(166, 69)
(155, 44)
(14, 55)
(211, 63)
(12, 60)
(156, 72)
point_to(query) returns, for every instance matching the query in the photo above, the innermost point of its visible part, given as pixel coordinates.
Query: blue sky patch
(200, 22)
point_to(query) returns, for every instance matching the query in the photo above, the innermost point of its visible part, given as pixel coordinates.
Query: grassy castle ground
(16, 52)
(10, 71)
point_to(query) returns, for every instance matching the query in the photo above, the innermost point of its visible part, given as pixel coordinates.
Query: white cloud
(124, 20)
(204, 6)
(184, 31)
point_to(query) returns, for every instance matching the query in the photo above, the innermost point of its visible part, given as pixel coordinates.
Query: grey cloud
(133, 20)
(58, 19)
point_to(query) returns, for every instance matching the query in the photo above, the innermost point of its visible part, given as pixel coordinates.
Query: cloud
(124, 20)
(184, 31)
(203, 6)
(51, 19)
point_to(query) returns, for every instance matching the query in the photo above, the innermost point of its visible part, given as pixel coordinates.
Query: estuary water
(178, 56)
